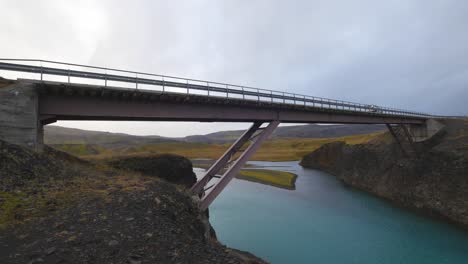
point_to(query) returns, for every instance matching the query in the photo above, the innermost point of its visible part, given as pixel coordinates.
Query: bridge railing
(45, 70)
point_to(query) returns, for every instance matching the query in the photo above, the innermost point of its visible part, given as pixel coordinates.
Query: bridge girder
(64, 103)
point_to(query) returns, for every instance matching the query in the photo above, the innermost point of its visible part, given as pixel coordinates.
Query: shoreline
(258, 174)
(294, 178)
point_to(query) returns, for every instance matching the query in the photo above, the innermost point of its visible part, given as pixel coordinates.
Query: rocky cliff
(173, 168)
(55, 208)
(434, 180)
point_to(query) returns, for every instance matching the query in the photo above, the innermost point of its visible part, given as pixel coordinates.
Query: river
(323, 221)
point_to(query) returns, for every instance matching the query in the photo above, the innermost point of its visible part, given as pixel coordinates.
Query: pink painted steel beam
(221, 162)
(240, 162)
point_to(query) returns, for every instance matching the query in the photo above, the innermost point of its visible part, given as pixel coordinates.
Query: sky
(406, 54)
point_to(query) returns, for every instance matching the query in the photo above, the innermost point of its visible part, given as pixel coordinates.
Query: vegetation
(63, 135)
(296, 148)
(36, 184)
(10, 203)
(38, 200)
(282, 149)
(280, 179)
(82, 149)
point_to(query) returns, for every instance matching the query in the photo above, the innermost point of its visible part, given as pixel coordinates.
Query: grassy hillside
(300, 131)
(284, 149)
(63, 135)
(296, 148)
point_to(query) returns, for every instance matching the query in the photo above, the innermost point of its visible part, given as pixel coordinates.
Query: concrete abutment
(426, 131)
(19, 115)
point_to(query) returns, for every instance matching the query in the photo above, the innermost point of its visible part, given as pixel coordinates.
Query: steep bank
(173, 168)
(435, 181)
(55, 208)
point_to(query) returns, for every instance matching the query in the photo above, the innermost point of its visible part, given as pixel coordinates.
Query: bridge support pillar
(19, 115)
(208, 194)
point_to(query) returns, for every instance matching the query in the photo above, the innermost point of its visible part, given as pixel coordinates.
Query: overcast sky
(405, 54)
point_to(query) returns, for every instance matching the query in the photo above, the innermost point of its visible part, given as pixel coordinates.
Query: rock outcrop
(19, 167)
(434, 180)
(55, 208)
(172, 168)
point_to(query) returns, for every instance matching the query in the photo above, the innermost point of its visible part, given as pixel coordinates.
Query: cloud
(405, 54)
(51, 29)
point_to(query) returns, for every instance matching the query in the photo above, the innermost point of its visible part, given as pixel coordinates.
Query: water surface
(323, 221)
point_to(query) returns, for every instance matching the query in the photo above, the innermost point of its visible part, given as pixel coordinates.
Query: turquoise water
(323, 221)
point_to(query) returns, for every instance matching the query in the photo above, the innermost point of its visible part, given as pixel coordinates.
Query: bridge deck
(210, 101)
(63, 101)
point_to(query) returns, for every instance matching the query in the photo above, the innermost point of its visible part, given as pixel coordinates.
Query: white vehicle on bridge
(374, 109)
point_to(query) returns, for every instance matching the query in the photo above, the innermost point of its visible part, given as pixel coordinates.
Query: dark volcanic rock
(325, 158)
(51, 212)
(435, 181)
(173, 168)
(98, 231)
(20, 166)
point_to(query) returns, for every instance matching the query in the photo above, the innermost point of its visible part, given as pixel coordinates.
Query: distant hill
(61, 135)
(301, 131)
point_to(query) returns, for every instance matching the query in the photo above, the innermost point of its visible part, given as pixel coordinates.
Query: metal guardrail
(188, 86)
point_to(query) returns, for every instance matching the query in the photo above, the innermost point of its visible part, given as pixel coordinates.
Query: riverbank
(57, 208)
(433, 182)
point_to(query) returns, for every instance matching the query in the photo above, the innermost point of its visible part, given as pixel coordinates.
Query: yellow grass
(272, 150)
(276, 178)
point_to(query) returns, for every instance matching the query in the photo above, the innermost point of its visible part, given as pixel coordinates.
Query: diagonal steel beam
(407, 134)
(240, 162)
(409, 137)
(397, 139)
(393, 133)
(198, 187)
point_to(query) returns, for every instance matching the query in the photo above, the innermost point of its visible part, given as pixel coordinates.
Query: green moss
(17, 207)
(11, 203)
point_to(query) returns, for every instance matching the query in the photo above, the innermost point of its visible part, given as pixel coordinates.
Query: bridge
(43, 92)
